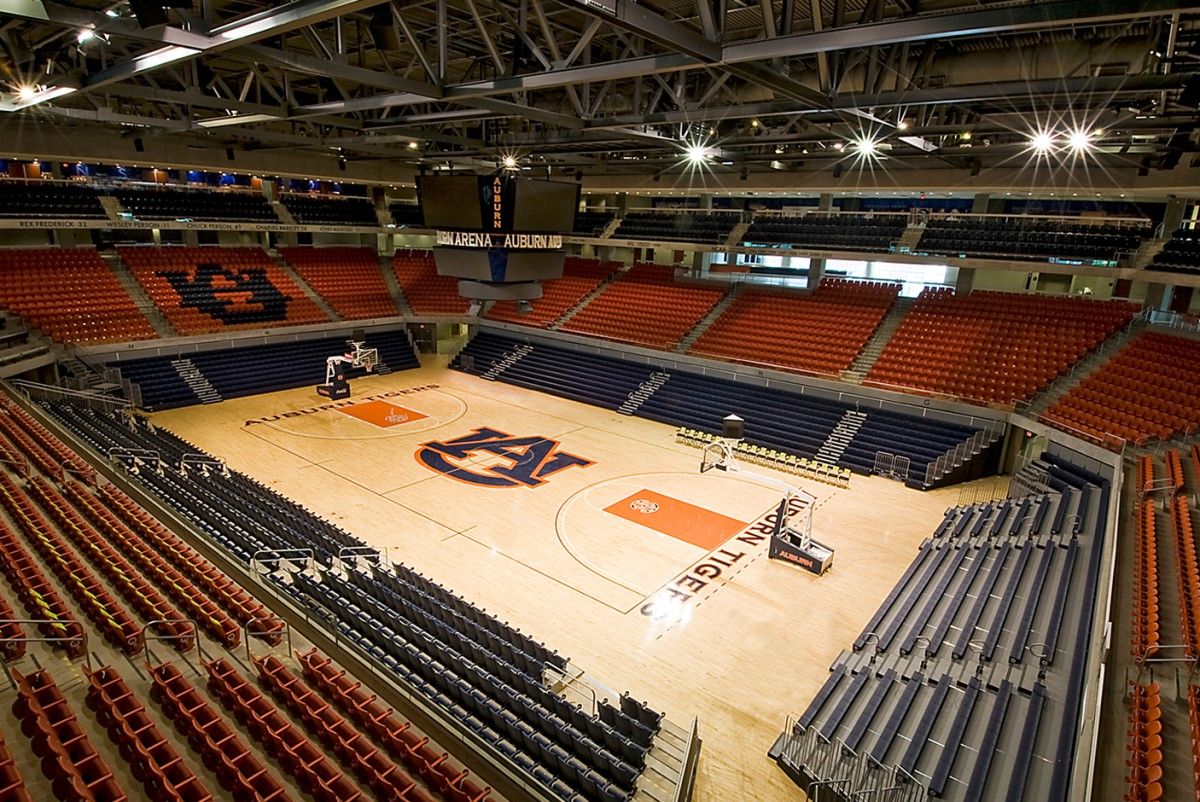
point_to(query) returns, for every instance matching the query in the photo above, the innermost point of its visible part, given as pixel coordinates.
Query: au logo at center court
(525, 461)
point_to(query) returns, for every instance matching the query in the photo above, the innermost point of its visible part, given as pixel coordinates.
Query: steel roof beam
(1012, 19)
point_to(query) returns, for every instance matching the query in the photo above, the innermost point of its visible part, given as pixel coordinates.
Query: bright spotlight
(838, 146)
(1042, 142)
(866, 146)
(1080, 140)
(696, 153)
(902, 125)
(85, 35)
(510, 162)
(26, 92)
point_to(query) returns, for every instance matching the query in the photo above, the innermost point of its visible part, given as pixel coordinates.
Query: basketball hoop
(714, 455)
(792, 540)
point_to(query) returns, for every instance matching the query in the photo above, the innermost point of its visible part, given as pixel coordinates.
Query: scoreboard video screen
(497, 203)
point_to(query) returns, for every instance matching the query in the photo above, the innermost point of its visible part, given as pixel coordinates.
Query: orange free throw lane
(680, 520)
(381, 413)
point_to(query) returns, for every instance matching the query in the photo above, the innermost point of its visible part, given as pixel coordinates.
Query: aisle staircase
(112, 208)
(879, 339)
(735, 236)
(909, 239)
(643, 392)
(718, 309)
(394, 288)
(587, 299)
(610, 229)
(511, 358)
(321, 303)
(1145, 253)
(1083, 368)
(195, 380)
(283, 213)
(839, 439)
(140, 299)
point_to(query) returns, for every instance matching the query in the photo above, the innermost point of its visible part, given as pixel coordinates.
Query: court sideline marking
(452, 530)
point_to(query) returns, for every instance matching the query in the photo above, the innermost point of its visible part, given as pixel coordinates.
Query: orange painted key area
(382, 414)
(680, 520)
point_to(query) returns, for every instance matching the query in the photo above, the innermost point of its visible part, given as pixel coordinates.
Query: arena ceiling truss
(656, 89)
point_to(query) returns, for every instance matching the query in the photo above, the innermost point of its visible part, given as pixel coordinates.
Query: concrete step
(112, 208)
(394, 289)
(141, 300)
(282, 212)
(321, 303)
(712, 316)
(587, 299)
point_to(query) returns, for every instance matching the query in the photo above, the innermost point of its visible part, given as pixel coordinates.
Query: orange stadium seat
(646, 307)
(1145, 744)
(347, 277)
(1146, 392)
(427, 292)
(819, 332)
(994, 347)
(210, 289)
(580, 276)
(71, 294)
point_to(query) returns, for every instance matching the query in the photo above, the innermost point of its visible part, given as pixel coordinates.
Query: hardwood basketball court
(594, 532)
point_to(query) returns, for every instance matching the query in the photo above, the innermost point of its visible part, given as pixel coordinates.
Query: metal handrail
(246, 633)
(82, 637)
(53, 389)
(148, 635)
(280, 554)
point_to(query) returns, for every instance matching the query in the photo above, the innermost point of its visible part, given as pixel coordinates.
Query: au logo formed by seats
(525, 461)
(230, 296)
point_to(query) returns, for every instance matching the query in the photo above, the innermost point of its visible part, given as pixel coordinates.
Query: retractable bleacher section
(819, 332)
(993, 347)
(210, 289)
(714, 227)
(235, 372)
(580, 276)
(967, 683)
(1146, 392)
(331, 211)
(348, 278)
(489, 677)
(101, 545)
(1031, 238)
(645, 306)
(43, 200)
(789, 422)
(844, 231)
(175, 204)
(71, 295)
(427, 292)
(1180, 254)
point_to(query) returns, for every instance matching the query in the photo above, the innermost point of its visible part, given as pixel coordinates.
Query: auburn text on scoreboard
(512, 242)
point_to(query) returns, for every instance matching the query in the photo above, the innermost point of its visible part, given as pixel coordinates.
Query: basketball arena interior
(599, 400)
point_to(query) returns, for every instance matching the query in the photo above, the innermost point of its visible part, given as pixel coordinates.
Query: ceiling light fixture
(696, 153)
(866, 146)
(1042, 142)
(1080, 140)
